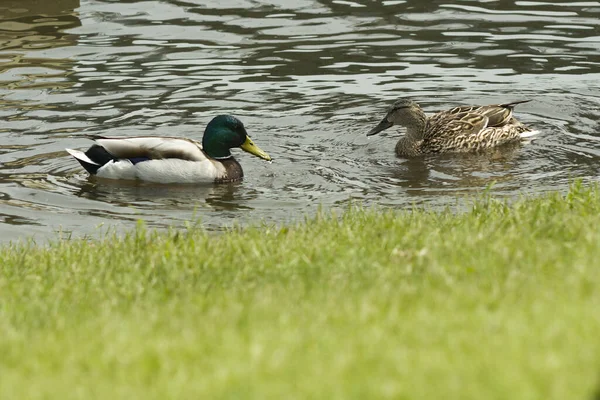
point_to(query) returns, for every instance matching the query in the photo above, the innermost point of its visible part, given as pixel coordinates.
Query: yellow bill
(251, 148)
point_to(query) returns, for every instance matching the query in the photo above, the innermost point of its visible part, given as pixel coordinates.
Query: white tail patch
(80, 155)
(528, 134)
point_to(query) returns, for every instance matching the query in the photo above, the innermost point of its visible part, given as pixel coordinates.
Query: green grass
(501, 302)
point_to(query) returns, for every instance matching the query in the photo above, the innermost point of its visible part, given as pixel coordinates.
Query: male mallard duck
(172, 160)
(460, 129)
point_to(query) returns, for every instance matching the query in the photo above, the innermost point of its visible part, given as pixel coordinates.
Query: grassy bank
(502, 302)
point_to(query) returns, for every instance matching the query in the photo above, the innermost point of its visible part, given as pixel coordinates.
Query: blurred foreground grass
(501, 302)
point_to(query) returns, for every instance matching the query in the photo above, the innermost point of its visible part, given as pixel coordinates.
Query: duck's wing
(154, 148)
(443, 126)
(497, 114)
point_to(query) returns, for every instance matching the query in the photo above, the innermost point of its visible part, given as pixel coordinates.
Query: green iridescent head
(224, 132)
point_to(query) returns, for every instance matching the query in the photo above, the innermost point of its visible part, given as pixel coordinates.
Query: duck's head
(402, 112)
(224, 132)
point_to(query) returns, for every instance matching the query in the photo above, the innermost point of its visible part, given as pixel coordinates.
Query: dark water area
(308, 79)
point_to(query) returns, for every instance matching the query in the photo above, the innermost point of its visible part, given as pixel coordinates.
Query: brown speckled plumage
(461, 129)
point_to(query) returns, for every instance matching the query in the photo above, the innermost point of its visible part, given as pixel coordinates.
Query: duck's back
(471, 128)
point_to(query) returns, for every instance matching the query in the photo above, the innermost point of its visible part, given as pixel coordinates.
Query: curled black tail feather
(514, 103)
(97, 154)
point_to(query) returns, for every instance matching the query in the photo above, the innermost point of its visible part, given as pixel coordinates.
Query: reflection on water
(32, 25)
(308, 78)
(156, 196)
(436, 172)
(37, 25)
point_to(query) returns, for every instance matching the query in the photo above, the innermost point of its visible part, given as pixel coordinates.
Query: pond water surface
(308, 78)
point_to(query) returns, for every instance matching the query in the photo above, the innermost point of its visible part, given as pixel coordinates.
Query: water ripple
(308, 78)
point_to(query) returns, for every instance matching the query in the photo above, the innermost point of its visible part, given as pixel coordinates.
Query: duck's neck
(415, 124)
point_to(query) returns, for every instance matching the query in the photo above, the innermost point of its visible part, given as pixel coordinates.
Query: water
(308, 78)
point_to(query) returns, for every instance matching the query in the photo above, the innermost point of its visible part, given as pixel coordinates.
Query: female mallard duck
(172, 160)
(460, 129)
